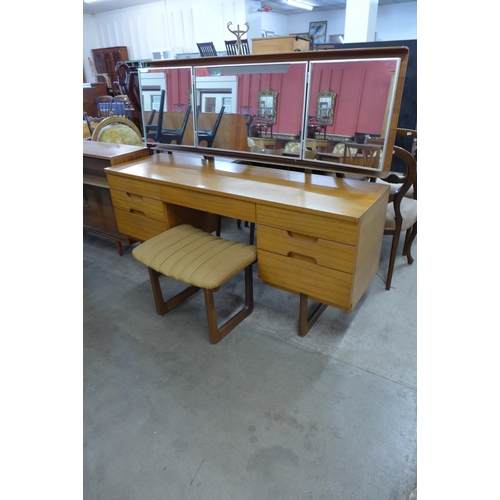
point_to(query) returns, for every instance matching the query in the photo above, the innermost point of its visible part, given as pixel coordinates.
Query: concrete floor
(264, 414)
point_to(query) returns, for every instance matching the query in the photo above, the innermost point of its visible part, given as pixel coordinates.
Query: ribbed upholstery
(195, 257)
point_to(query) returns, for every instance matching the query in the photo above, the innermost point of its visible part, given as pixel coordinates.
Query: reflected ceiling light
(300, 5)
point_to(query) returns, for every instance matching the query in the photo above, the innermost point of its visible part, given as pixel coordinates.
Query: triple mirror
(333, 112)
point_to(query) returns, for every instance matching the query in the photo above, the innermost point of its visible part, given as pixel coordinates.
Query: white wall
(179, 24)
(394, 22)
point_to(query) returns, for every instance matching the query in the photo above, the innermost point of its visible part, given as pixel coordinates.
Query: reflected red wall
(362, 89)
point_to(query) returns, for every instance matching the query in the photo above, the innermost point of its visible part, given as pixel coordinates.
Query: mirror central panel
(255, 108)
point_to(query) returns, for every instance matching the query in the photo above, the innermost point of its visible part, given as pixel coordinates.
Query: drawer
(134, 187)
(138, 204)
(221, 205)
(325, 285)
(327, 228)
(137, 226)
(318, 251)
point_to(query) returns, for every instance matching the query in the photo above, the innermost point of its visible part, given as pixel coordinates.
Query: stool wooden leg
(162, 306)
(306, 320)
(217, 333)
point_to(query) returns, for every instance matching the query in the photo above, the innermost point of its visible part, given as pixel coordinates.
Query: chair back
(184, 122)
(231, 47)
(152, 131)
(120, 104)
(207, 49)
(245, 47)
(210, 135)
(104, 106)
(97, 74)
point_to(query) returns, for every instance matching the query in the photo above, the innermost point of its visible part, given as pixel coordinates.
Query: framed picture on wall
(317, 31)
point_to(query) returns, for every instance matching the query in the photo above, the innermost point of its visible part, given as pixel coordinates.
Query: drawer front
(328, 286)
(220, 205)
(328, 228)
(138, 204)
(137, 226)
(318, 251)
(134, 187)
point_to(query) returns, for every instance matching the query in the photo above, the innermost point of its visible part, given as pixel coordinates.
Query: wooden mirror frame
(310, 57)
(267, 92)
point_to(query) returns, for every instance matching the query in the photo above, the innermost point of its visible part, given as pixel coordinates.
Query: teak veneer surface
(325, 195)
(114, 153)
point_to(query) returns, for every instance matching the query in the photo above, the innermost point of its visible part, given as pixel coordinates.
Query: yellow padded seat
(196, 257)
(201, 260)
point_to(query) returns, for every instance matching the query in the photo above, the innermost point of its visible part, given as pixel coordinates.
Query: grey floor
(264, 414)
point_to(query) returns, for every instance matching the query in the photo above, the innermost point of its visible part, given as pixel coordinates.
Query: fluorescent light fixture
(300, 5)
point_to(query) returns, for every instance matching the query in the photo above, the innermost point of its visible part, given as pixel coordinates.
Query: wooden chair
(207, 49)
(121, 104)
(106, 76)
(200, 260)
(166, 136)
(209, 135)
(104, 106)
(232, 47)
(401, 212)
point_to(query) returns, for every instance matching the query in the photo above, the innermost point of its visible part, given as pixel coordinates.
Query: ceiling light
(300, 5)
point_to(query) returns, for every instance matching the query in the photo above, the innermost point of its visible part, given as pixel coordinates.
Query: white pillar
(360, 21)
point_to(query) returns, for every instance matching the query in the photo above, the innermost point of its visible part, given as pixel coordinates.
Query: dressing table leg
(306, 321)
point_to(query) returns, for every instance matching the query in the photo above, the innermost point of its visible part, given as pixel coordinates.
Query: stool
(201, 260)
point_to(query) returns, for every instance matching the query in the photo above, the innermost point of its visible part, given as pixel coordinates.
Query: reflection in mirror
(267, 105)
(167, 115)
(325, 105)
(362, 95)
(254, 119)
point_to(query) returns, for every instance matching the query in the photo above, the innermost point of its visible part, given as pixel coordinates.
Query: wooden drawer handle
(137, 212)
(135, 196)
(299, 256)
(302, 237)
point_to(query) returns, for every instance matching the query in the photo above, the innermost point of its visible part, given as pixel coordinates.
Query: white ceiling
(278, 6)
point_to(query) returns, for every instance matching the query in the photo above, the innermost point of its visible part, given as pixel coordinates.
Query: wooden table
(98, 215)
(317, 236)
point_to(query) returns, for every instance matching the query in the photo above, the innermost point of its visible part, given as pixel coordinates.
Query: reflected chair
(207, 49)
(151, 128)
(401, 214)
(106, 76)
(104, 106)
(209, 135)
(166, 136)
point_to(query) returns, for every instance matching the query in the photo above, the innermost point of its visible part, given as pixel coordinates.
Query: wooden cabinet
(98, 213)
(105, 60)
(288, 43)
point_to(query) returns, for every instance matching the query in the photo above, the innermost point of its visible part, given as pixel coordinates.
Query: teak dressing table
(317, 236)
